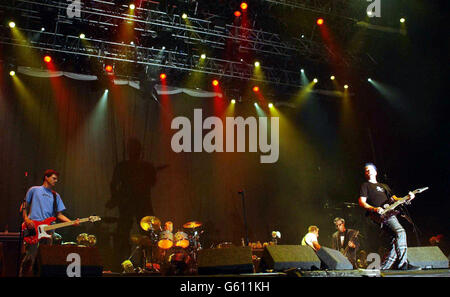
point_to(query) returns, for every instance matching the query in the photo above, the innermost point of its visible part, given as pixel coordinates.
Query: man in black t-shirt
(373, 196)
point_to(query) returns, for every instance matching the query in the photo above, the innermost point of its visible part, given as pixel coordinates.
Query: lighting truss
(107, 15)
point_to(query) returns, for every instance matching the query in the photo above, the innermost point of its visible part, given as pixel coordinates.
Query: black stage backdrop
(73, 127)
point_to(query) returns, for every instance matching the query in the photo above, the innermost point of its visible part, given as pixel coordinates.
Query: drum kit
(161, 246)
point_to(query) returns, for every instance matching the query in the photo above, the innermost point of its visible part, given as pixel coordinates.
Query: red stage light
(108, 68)
(320, 22)
(255, 89)
(47, 59)
(244, 5)
(237, 13)
(215, 82)
(162, 76)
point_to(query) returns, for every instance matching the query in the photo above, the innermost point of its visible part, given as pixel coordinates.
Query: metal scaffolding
(104, 17)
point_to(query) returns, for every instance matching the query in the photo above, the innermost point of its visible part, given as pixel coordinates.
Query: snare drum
(165, 240)
(181, 239)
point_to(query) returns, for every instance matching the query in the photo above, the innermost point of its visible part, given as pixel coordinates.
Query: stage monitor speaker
(333, 259)
(11, 253)
(283, 257)
(427, 257)
(53, 260)
(2, 260)
(233, 260)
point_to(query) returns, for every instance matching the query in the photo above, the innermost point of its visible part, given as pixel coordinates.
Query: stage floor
(317, 273)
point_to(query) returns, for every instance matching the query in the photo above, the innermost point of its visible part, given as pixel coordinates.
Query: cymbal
(192, 225)
(143, 240)
(150, 223)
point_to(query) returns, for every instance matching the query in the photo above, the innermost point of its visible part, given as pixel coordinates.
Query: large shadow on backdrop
(131, 185)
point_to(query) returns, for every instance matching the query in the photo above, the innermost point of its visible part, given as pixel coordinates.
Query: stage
(308, 274)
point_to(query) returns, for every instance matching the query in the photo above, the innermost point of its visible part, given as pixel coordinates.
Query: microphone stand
(407, 216)
(245, 216)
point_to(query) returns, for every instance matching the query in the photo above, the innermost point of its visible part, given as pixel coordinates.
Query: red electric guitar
(32, 236)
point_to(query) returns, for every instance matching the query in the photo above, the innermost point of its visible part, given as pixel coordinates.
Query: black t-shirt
(376, 193)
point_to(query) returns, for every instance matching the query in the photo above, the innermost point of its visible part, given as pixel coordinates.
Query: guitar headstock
(420, 190)
(93, 219)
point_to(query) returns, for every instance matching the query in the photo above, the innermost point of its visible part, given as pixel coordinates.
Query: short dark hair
(50, 172)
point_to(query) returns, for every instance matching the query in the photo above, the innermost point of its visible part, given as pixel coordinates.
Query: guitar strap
(55, 209)
(388, 190)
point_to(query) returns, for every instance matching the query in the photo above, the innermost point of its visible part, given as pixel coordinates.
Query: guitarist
(40, 203)
(345, 240)
(373, 196)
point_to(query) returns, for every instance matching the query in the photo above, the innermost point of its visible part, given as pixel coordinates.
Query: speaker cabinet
(283, 257)
(53, 260)
(10, 242)
(233, 260)
(427, 257)
(333, 259)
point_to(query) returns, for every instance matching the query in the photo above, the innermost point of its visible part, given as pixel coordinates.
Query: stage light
(369, 13)
(47, 59)
(257, 64)
(215, 82)
(320, 22)
(369, 80)
(332, 77)
(12, 24)
(184, 16)
(316, 80)
(162, 76)
(203, 56)
(345, 86)
(302, 70)
(255, 89)
(237, 13)
(132, 6)
(108, 68)
(163, 48)
(106, 90)
(244, 6)
(12, 73)
(402, 20)
(82, 36)
(303, 36)
(255, 104)
(233, 101)
(42, 29)
(270, 105)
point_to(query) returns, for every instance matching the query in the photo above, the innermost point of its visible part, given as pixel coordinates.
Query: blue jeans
(399, 246)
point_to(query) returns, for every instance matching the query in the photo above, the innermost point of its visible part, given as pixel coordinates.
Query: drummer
(168, 226)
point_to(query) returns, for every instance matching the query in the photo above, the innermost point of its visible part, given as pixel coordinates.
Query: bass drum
(165, 240)
(181, 239)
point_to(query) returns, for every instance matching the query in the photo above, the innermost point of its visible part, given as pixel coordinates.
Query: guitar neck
(65, 224)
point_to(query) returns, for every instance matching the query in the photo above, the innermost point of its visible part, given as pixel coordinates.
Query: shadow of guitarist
(130, 187)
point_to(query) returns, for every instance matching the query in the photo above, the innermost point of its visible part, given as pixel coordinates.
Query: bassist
(373, 196)
(40, 203)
